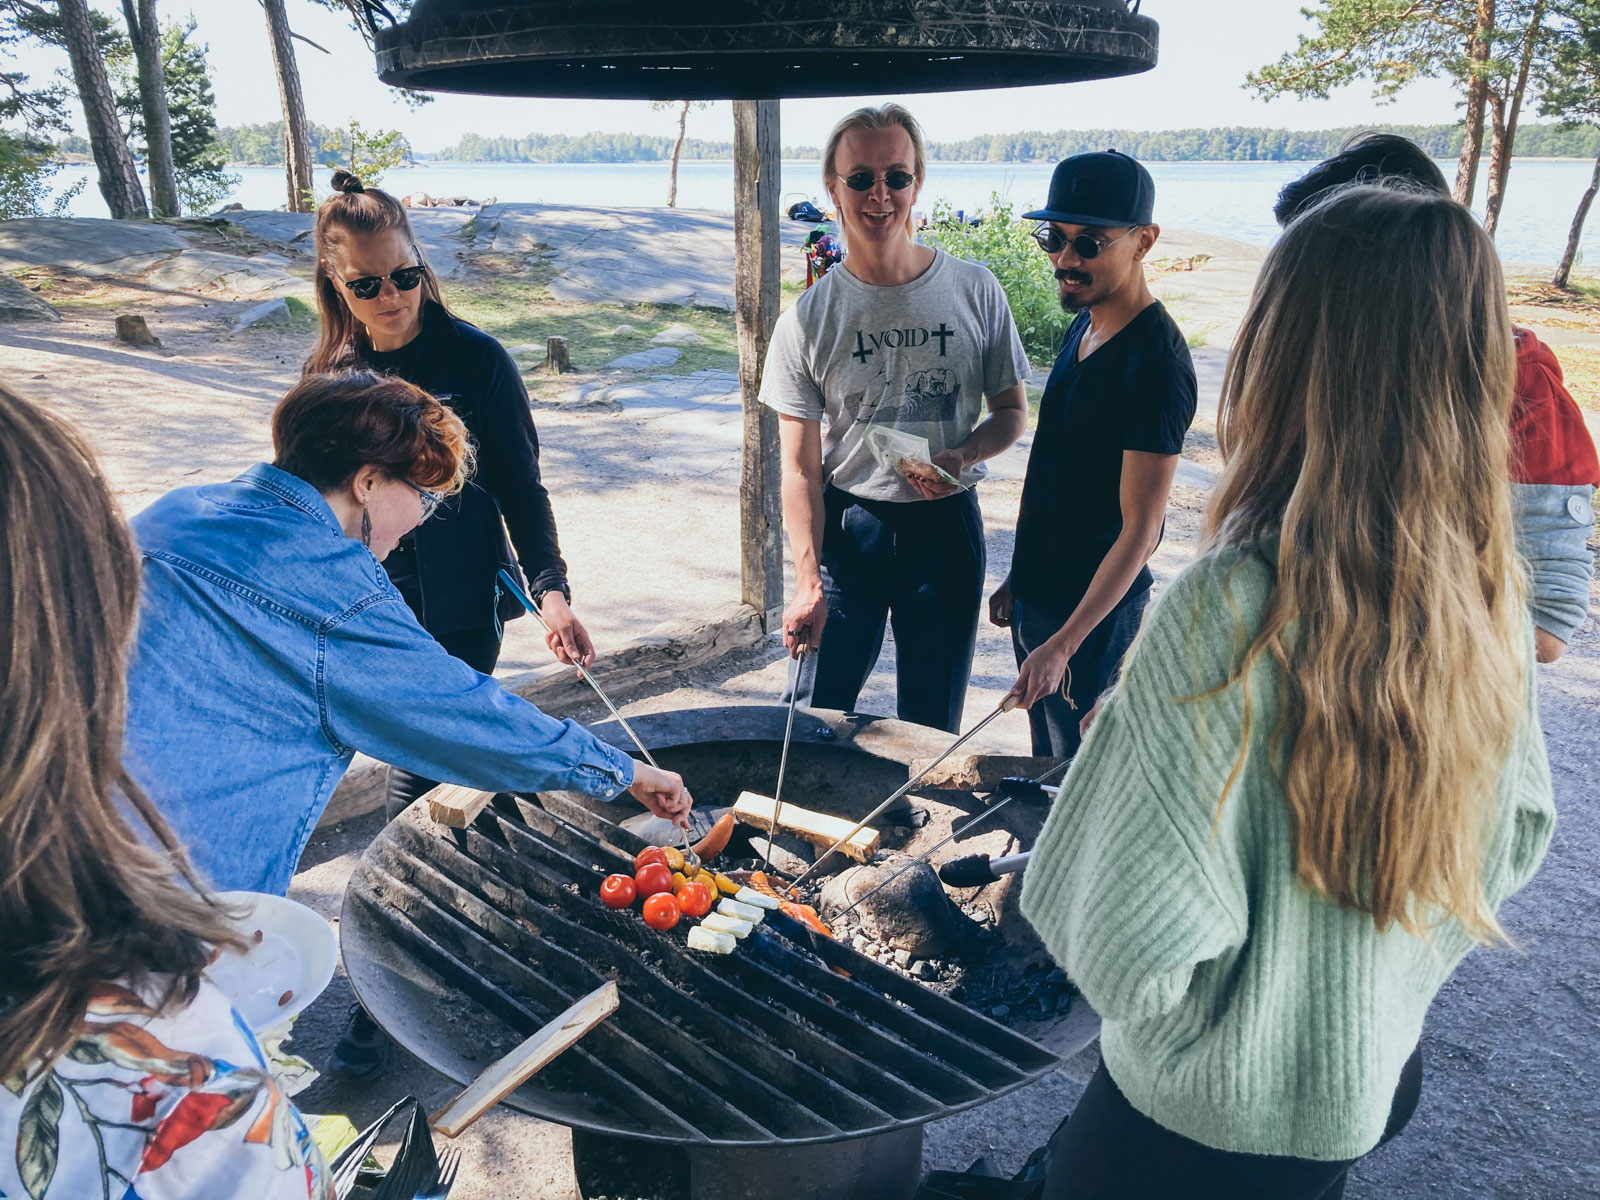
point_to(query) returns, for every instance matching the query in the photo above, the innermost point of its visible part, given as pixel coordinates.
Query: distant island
(261, 145)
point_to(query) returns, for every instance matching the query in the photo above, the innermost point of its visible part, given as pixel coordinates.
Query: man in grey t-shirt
(898, 342)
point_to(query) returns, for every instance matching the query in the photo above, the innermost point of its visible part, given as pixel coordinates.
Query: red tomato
(694, 898)
(653, 878)
(650, 854)
(617, 891)
(661, 911)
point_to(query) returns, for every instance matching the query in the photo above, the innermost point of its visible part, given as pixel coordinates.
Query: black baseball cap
(1104, 188)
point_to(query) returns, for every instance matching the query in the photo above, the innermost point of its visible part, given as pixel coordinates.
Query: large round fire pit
(794, 1063)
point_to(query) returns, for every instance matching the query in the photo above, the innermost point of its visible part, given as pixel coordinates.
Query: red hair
(329, 426)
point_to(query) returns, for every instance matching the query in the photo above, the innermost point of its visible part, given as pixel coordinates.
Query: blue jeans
(1053, 723)
(918, 566)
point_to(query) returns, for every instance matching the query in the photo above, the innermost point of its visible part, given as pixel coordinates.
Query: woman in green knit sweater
(1322, 770)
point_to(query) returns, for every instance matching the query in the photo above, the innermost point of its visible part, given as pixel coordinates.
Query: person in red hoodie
(1554, 467)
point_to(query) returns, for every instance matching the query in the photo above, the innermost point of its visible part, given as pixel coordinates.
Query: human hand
(1547, 646)
(1088, 718)
(1001, 605)
(662, 792)
(1042, 672)
(803, 620)
(567, 638)
(927, 483)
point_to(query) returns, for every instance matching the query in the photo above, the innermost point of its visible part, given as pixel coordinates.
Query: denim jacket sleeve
(389, 690)
(1553, 526)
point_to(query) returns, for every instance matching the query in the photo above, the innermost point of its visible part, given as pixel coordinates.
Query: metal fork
(445, 1178)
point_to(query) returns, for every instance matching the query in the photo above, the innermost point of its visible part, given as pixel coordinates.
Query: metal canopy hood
(758, 49)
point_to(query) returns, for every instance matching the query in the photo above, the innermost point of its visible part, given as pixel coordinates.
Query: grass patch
(517, 309)
(1580, 366)
(1192, 262)
(302, 314)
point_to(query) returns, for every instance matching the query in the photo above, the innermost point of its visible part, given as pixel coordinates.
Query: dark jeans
(1109, 1150)
(480, 650)
(918, 566)
(1053, 723)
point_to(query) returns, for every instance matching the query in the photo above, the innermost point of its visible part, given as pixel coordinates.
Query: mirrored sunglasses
(1052, 241)
(862, 181)
(369, 286)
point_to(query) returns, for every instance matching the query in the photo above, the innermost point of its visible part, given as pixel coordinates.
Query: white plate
(294, 958)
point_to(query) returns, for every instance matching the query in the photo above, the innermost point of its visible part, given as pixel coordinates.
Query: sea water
(1226, 199)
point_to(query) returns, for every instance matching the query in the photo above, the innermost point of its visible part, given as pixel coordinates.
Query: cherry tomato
(653, 878)
(617, 891)
(694, 898)
(650, 854)
(661, 911)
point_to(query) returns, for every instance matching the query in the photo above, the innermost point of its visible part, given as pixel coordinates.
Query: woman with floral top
(122, 1070)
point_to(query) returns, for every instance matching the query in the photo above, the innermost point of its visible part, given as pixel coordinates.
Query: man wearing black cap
(1111, 426)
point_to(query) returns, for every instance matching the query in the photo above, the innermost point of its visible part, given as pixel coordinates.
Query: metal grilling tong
(1006, 705)
(526, 601)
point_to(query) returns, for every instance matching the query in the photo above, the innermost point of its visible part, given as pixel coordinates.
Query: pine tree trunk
(119, 178)
(1497, 159)
(1478, 48)
(144, 30)
(1564, 271)
(677, 148)
(296, 130)
(1506, 131)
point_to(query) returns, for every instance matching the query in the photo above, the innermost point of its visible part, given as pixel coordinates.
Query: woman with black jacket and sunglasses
(380, 307)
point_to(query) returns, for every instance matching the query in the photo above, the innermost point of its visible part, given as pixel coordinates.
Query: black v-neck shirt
(1135, 392)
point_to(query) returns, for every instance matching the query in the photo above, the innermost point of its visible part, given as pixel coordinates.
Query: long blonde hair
(353, 211)
(885, 116)
(1364, 422)
(83, 900)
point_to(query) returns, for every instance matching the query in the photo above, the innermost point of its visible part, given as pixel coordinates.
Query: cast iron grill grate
(792, 1038)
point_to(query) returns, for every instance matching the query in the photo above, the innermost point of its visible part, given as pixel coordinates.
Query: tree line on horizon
(261, 145)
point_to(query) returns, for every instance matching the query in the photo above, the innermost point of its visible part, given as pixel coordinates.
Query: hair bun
(344, 181)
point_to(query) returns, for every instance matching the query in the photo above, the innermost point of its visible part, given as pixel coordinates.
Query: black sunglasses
(369, 286)
(1052, 241)
(862, 181)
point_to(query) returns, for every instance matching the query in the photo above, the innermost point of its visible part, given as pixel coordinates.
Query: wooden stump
(135, 332)
(556, 361)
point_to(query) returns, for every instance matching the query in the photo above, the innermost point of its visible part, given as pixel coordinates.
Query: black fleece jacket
(446, 568)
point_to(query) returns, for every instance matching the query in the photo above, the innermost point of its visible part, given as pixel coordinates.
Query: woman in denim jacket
(272, 646)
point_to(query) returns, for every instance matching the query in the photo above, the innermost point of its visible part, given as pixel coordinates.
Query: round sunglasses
(1052, 241)
(369, 286)
(862, 181)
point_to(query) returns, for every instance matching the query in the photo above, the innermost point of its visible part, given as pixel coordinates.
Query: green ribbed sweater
(1239, 1009)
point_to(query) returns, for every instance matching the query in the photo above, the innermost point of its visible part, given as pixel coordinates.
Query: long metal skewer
(526, 601)
(954, 834)
(801, 649)
(1006, 705)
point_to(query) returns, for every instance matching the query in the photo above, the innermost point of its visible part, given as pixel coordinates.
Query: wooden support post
(756, 181)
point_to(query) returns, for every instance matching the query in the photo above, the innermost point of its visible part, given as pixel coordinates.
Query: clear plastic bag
(908, 454)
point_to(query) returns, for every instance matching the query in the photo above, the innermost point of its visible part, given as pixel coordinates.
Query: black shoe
(363, 1049)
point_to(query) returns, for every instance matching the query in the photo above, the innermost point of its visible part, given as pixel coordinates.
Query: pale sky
(1206, 49)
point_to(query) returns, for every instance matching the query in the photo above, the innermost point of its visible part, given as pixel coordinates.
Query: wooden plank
(980, 772)
(818, 828)
(455, 806)
(757, 241)
(505, 1075)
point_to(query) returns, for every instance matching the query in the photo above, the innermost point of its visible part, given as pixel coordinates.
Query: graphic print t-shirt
(919, 358)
